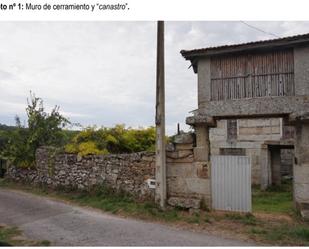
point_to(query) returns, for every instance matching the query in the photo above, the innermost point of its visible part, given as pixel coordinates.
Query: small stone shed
(253, 99)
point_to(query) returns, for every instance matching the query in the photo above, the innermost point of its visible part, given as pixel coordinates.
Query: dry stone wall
(125, 172)
(188, 182)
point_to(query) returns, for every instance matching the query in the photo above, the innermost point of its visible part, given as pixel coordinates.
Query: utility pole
(160, 195)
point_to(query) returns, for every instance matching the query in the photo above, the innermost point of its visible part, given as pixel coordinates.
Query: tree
(43, 129)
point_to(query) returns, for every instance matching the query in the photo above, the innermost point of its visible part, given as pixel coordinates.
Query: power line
(258, 29)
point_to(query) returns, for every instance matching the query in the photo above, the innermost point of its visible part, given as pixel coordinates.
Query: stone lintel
(201, 119)
(302, 117)
(283, 144)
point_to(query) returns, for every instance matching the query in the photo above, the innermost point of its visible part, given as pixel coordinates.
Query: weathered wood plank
(252, 75)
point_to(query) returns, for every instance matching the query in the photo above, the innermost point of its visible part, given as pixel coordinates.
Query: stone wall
(126, 172)
(188, 181)
(22, 175)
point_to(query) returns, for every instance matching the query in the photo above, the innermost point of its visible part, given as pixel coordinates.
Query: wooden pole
(160, 195)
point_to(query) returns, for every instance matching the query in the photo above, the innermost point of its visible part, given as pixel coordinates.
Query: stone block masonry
(188, 183)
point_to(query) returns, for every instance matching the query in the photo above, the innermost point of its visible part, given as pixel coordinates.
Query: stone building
(246, 137)
(252, 98)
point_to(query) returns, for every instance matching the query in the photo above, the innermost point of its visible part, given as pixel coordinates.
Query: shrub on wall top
(118, 139)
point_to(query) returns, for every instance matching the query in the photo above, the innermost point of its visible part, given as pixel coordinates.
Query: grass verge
(12, 236)
(283, 234)
(108, 200)
(246, 219)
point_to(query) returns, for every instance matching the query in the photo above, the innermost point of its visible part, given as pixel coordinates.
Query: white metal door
(231, 183)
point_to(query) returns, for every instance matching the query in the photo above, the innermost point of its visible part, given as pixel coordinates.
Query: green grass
(274, 199)
(6, 235)
(4, 182)
(257, 230)
(196, 219)
(44, 243)
(284, 234)
(118, 202)
(8, 238)
(246, 219)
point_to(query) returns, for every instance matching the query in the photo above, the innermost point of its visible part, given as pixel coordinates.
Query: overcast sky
(103, 73)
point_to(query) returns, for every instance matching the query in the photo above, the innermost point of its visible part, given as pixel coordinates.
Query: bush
(112, 140)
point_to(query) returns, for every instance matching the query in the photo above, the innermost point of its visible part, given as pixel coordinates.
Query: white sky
(103, 73)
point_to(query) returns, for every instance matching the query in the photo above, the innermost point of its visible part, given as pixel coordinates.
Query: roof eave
(190, 54)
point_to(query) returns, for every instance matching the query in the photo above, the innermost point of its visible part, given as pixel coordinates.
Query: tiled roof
(278, 42)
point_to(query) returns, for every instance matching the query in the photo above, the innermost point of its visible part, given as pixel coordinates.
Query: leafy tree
(43, 129)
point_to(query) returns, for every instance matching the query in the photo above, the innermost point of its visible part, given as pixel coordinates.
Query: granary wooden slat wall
(252, 75)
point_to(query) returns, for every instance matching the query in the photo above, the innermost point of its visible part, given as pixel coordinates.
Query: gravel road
(63, 224)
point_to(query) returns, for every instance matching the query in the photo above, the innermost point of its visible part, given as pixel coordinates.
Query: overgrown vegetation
(118, 139)
(282, 234)
(42, 129)
(19, 143)
(275, 199)
(4, 135)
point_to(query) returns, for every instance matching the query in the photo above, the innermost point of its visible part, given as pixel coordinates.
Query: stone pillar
(201, 153)
(301, 169)
(275, 166)
(265, 167)
(202, 149)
